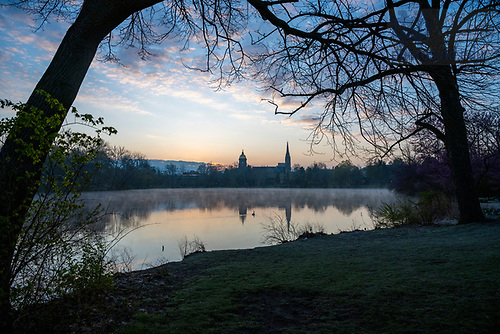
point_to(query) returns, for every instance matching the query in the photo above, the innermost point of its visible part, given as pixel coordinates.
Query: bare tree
(388, 70)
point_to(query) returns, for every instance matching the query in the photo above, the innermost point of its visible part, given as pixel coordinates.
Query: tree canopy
(376, 66)
(389, 70)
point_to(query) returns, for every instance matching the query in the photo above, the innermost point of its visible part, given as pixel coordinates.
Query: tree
(171, 169)
(378, 174)
(388, 70)
(20, 172)
(484, 139)
(56, 240)
(318, 176)
(93, 22)
(346, 175)
(485, 150)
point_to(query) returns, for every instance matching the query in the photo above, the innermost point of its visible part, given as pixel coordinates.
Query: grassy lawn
(407, 280)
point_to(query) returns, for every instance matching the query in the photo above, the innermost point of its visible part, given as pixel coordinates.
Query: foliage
(346, 175)
(426, 166)
(122, 169)
(395, 214)
(433, 205)
(188, 247)
(278, 230)
(57, 251)
(430, 206)
(309, 230)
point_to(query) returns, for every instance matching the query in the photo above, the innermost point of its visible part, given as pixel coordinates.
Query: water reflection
(242, 211)
(140, 203)
(211, 214)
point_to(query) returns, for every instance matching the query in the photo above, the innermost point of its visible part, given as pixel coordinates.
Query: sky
(159, 107)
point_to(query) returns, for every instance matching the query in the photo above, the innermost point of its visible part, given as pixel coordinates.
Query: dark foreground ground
(432, 279)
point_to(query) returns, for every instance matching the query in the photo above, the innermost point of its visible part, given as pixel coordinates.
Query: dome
(242, 156)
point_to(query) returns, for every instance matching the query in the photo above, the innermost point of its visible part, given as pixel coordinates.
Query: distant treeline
(121, 169)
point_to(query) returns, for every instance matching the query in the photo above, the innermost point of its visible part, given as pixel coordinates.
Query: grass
(406, 280)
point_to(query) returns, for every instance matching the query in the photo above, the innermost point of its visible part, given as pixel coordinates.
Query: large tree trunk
(457, 146)
(20, 173)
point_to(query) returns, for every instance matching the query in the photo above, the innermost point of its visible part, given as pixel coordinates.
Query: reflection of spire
(242, 210)
(286, 203)
(288, 214)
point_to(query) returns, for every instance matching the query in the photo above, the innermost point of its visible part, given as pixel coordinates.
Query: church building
(280, 172)
(242, 161)
(286, 167)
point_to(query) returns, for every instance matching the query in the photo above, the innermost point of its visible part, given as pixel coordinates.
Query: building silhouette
(242, 161)
(279, 173)
(285, 167)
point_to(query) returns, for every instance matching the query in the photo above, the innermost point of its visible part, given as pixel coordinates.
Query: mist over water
(225, 218)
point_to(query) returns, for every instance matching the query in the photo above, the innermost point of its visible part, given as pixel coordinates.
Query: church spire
(288, 160)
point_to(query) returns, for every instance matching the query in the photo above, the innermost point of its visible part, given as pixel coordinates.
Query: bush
(309, 230)
(188, 247)
(58, 252)
(430, 206)
(394, 214)
(433, 205)
(278, 231)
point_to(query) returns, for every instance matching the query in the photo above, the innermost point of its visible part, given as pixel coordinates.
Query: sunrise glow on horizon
(160, 108)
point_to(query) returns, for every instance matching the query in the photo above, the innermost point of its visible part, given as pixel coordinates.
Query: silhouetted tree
(346, 175)
(298, 177)
(171, 169)
(391, 69)
(378, 174)
(318, 176)
(484, 143)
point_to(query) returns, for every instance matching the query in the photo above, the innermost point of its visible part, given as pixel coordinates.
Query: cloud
(118, 104)
(246, 116)
(11, 17)
(13, 51)
(155, 137)
(179, 83)
(48, 45)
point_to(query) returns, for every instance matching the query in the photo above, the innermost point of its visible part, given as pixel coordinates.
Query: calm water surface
(225, 218)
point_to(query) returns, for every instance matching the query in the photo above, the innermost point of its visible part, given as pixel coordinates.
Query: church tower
(242, 161)
(288, 160)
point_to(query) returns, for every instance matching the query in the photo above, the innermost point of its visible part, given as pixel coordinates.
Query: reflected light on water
(225, 218)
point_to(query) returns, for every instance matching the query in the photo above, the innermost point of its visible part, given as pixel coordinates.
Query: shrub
(278, 231)
(433, 205)
(394, 214)
(430, 206)
(58, 252)
(309, 230)
(188, 247)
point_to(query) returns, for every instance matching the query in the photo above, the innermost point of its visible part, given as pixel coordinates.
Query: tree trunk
(20, 173)
(457, 146)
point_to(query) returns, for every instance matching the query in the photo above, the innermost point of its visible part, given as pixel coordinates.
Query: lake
(224, 218)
